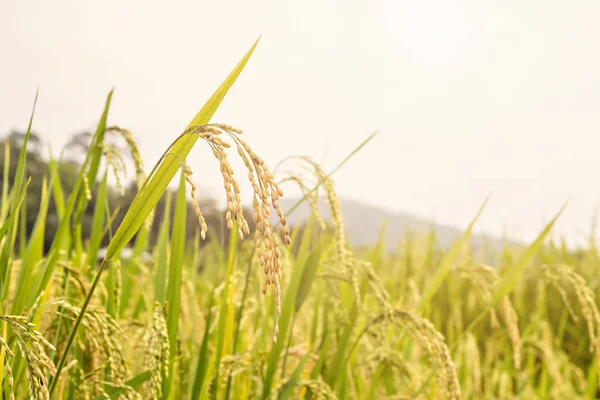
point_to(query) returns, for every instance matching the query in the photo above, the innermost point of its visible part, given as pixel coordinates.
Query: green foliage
(421, 322)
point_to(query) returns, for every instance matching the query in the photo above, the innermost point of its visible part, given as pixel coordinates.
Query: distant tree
(68, 171)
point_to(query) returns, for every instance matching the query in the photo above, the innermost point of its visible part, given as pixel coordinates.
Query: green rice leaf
(178, 240)
(510, 277)
(442, 271)
(309, 271)
(165, 169)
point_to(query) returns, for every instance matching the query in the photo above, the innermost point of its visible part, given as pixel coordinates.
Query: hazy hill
(364, 222)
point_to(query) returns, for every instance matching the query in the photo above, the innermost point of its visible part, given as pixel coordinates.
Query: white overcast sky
(470, 97)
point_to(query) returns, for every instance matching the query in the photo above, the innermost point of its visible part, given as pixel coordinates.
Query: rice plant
(246, 306)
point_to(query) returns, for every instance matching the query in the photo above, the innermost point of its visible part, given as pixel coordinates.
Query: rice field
(275, 311)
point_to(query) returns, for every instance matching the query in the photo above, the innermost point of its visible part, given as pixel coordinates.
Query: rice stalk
(157, 347)
(32, 346)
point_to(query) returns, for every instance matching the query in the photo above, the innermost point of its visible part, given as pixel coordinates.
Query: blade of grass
(309, 271)
(163, 253)
(286, 391)
(238, 317)
(202, 364)
(175, 273)
(10, 220)
(225, 307)
(340, 165)
(34, 252)
(323, 353)
(57, 192)
(96, 150)
(446, 264)
(141, 242)
(287, 308)
(511, 275)
(22, 232)
(98, 221)
(7, 249)
(5, 178)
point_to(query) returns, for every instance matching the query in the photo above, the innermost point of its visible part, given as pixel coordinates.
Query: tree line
(38, 168)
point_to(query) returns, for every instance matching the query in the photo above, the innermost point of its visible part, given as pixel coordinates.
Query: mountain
(363, 224)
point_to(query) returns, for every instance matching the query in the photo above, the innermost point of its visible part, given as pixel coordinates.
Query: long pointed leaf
(444, 268)
(510, 277)
(175, 275)
(16, 190)
(165, 170)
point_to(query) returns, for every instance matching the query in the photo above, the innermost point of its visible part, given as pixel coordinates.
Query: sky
(468, 97)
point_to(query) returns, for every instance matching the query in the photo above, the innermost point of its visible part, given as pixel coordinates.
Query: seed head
(266, 194)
